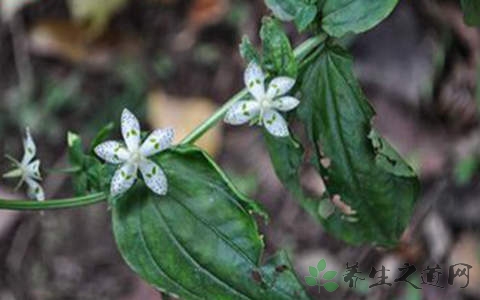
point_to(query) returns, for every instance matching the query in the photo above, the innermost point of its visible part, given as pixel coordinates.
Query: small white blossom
(28, 170)
(266, 103)
(134, 156)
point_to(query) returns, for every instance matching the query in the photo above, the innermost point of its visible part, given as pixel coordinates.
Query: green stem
(308, 46)
(64, 170)
(213, 119)
(300, 53)
(52, 204)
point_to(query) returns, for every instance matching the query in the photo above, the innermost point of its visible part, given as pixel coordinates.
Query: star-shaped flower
(28, 170)
(266, 103)
(134, 156)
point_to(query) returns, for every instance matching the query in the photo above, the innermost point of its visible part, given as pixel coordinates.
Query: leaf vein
(193, 259)
(157, 265)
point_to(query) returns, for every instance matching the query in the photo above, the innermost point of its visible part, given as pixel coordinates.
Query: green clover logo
(314, 279)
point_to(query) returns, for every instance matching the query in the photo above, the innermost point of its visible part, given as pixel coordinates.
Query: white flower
(134, 156)
(265, 104)
(28, 170)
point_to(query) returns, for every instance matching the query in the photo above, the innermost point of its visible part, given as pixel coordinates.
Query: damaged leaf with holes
(287, 154)
(374, 189)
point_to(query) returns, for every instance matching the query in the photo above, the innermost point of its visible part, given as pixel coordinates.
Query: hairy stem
(300, 53)
(52, 204)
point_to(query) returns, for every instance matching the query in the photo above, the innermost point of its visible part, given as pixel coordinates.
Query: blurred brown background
(74, 65)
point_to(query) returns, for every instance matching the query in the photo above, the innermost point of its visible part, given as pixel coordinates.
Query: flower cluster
(132, 155)
(28, 169)
(263, 108)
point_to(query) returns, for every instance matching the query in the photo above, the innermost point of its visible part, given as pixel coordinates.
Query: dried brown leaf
(184, 115)
(71, 42)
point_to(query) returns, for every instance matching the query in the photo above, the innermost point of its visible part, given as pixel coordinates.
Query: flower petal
(158, 140)
(35, 190)
(280, 86)
(112, 152)
(130, 130)
(255, 80)
(242, 112)
(285, 103)
(29, 148)
(154, 177)
(33, 170)
(275, 123)
(123, 179)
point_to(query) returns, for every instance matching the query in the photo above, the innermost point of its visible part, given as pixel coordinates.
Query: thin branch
(52, 204)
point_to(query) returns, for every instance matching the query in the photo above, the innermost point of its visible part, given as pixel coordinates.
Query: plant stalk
(52, 204)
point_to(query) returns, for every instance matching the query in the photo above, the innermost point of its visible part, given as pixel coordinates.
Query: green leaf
(102, 135)
(286, 156)
(313, 271)
(75, 151)
(92, 175)
(248, 51)
(386, 157)
(305, 16)
(471, 9)
(329, 275)
(311, 281)
(198, 241)
(300, 11)
(322, 264)
(365, 173)
(283, 10)
(331, 286)
(278, 54)
(340, 17)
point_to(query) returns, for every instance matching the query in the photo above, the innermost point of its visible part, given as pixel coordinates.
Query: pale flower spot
(135, 156)
(264, 105)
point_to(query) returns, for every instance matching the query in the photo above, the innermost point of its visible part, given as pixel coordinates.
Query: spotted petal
(242, 112)
(112, 152)
(158, 140)
(255, 80)
(130, 130)
(29, 148)
(123, 179)
(279, 86)
(275, 123)
(154, 177)
(33, 170)
(285, 103)
(35, 190)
